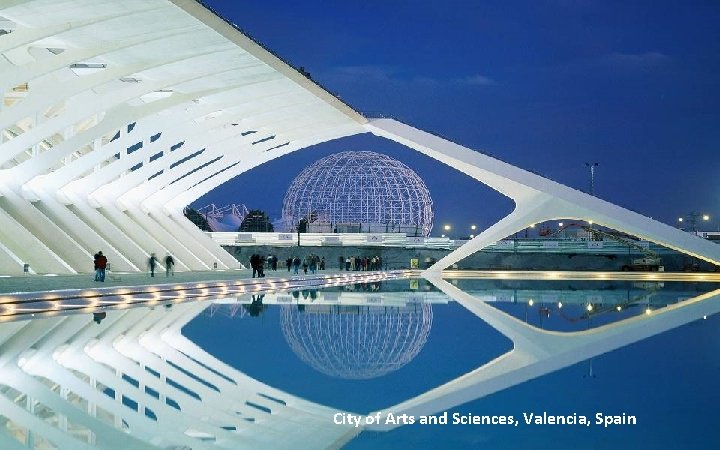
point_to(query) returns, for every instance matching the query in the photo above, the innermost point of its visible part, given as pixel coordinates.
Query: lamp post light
(592, 167)
(692, 218)
(707, 218)
(527, 229)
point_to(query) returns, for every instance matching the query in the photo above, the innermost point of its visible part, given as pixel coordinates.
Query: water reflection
(356, 342)
(578, 305)
(130, 379)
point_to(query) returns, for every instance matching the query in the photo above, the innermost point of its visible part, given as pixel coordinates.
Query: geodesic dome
(359, 191)
(357, 342)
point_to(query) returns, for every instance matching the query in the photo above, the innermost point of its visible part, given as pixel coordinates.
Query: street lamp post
(692, 218)
(592, 167)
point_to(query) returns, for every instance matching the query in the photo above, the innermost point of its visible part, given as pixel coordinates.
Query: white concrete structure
(116, 115)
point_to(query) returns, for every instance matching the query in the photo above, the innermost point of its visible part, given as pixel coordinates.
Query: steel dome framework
(357, 342)
(360, 187)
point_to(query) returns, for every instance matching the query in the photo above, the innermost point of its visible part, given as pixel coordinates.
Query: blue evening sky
(547, 85)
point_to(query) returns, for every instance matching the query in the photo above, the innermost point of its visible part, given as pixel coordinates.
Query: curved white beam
(63, 169)
(536, 198)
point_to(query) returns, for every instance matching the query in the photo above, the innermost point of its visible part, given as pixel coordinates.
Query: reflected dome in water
(356, 342)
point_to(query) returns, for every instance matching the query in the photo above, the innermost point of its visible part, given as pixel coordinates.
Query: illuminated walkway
(149, 291)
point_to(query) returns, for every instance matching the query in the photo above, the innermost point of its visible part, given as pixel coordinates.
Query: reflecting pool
(360, 365)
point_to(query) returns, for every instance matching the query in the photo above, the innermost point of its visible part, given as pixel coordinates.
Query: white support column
(140, 238)
(89, 237)
(30, 249)
(166, 242)
(116, 237)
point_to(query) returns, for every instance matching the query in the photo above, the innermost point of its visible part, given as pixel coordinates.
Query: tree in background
(198, 219)
(256, 220)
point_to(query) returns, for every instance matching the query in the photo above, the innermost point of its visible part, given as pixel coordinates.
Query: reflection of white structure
(134, 382)
(359, 191)
(538, 352)
(116, 115)
(356, 342)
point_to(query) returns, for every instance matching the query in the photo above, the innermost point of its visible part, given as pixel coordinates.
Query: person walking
(169, 265)
(255, 263)
(261, 267)
(95, 266)
(288, 263)
(296, 264)
(102, 265)
(152, 262)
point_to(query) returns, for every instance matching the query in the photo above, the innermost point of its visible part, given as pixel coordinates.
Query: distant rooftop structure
(224, 218)
(359, 191)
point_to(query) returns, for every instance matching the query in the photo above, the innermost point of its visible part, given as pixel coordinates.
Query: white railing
(240, 239)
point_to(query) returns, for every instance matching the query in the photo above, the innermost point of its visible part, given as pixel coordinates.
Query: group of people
(101, 265)
(169, 264)
(360, 263)
(311, 262)
(257, 263)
